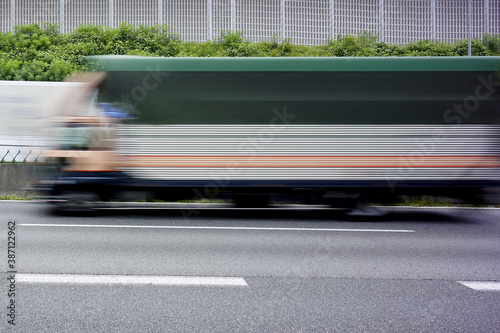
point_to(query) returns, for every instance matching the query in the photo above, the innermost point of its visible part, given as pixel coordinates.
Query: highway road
(202, 268)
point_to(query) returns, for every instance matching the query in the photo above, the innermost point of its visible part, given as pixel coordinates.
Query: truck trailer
(321, 130)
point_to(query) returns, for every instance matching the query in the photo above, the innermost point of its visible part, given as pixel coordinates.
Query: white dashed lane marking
(131, 280)
(482, 285)
(210, 228)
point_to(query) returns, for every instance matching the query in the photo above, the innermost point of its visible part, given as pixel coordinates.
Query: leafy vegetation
(431, 201)
(41, 53)
(17, 197)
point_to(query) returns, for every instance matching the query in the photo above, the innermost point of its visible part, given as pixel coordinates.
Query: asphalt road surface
(167, 268)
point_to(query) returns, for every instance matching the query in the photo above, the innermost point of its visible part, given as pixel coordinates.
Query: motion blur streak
(337, 131)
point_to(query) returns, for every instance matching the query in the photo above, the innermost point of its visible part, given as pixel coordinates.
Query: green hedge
(40, 53)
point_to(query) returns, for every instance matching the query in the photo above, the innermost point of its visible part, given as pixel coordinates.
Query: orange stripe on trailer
(301, 156)
(81, 170)
(314, 161)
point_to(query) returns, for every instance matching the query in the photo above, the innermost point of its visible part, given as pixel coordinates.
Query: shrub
(461, 48)
(352, 46)
(41, 52)
(427, 48)
(492, 43)
(8, 69)
(382, 49)
(232, 44)
(193, 49)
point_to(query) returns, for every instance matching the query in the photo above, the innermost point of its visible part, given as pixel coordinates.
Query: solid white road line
(207, 227)
(482, 285)
(131, 279)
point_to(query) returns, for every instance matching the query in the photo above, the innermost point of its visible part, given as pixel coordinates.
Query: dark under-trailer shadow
(283, 213)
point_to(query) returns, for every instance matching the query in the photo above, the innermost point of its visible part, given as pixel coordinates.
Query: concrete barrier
(15, 176)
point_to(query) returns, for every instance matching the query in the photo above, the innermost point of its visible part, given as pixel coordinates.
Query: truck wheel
(72, 202)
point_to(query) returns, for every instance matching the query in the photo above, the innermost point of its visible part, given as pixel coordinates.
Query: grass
(406, 201)
(17, 197)
(424, 201)
(429, 201)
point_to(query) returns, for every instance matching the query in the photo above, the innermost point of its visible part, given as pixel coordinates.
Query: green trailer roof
(287, 64)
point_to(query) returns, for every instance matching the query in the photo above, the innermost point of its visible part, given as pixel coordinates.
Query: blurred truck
(322, 130)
